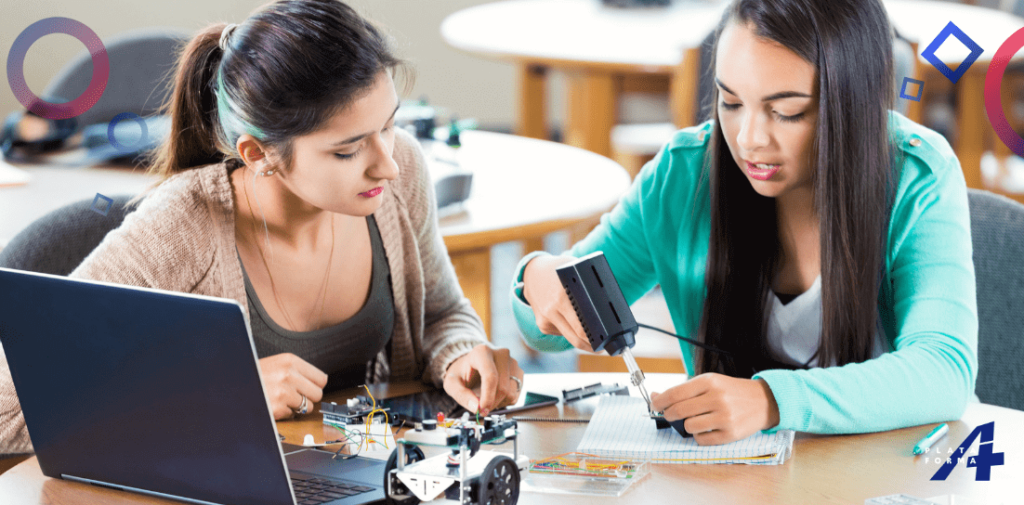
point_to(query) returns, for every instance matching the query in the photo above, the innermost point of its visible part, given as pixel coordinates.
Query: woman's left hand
(488, 371)
(719, 409)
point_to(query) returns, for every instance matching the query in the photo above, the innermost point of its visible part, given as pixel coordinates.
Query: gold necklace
(273, 288)
(327, 279)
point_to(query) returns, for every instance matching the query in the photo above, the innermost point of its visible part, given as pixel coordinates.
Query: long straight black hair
(849, 42)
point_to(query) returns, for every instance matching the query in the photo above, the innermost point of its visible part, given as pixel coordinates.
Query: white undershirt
(794, 329)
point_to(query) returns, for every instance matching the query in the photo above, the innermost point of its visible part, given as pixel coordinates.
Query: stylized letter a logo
(985, 459)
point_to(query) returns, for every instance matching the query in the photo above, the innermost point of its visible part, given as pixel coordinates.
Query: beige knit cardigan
(182, 238)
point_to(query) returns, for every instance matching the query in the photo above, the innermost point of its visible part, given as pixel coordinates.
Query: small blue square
(952, 29)
(920, 89)
(106, 209)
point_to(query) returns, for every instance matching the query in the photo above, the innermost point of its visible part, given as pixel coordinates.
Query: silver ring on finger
(303, 407)
(519, 383)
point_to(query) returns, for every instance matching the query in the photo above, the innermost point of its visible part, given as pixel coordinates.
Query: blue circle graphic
(121, 117)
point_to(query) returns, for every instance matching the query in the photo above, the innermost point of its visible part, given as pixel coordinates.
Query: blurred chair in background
(58, 242)
(997, 233)
(141, 66)
(142, 63)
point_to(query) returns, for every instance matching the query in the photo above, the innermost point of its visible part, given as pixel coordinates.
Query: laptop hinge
(134, 489)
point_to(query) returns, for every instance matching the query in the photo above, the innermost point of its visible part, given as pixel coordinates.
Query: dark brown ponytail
(192, 108)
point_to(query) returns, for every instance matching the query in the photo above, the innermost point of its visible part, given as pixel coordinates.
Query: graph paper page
(621, 427)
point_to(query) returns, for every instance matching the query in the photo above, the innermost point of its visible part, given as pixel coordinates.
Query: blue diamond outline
(110, 203)
(920, 89)
(954, 30)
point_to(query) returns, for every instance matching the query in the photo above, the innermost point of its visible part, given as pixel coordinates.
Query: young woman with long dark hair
(818, 237)
(287, 187)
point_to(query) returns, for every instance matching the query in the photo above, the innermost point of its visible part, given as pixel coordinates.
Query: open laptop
(158, 393)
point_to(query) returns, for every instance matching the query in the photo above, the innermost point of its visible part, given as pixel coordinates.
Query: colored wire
(369, 419)
(348, 436)
(684, 339)
(346, 441)
(577, 464)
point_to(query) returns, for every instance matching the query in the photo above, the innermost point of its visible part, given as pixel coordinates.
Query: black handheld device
(595, 294)
(606, 317)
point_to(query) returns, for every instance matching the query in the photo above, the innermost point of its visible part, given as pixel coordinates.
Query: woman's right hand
(552, 309)
(287, 379)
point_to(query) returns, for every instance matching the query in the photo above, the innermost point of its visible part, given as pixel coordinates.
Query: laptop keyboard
(310, 490)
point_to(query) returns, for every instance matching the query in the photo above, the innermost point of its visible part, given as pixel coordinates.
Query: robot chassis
(466, 474)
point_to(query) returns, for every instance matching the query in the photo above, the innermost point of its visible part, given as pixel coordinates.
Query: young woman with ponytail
(819, 238)
(285, 186)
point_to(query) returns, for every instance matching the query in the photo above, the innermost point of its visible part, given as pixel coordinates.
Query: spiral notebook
(621, 428)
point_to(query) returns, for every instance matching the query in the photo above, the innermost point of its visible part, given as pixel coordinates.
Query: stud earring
(268, 172)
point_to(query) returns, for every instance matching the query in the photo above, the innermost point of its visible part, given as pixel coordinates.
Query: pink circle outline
(993, 98)
(16, 74)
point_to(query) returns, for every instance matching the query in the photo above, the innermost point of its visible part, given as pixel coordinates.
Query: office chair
(997, 233)
(141, 62)
(58, 242)
(141, 65)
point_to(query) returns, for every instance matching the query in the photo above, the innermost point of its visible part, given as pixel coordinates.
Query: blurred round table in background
(523, 189)
(607, 51)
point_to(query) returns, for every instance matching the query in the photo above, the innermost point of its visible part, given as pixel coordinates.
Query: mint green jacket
(658, 234)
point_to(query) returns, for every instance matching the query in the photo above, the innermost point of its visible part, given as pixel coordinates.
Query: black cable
(346, 441)
(684, 339)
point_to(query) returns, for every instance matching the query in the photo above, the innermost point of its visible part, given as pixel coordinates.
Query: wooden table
(823, 469)
(523, 189)
(605, 51)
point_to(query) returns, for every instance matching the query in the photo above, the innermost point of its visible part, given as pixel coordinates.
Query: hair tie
(224, 34)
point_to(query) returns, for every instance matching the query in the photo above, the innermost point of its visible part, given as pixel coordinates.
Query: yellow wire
(371, 396)
(562, 459)
(369, 419)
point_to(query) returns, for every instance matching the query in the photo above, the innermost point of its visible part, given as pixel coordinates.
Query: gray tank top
(346, 350)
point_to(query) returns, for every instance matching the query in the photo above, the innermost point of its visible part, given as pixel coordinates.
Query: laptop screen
(150, 390)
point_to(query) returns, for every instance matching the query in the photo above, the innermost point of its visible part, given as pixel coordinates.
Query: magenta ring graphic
(993, 99)
(16, 73)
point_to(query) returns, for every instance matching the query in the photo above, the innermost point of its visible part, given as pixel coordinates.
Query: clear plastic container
(581, 473)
